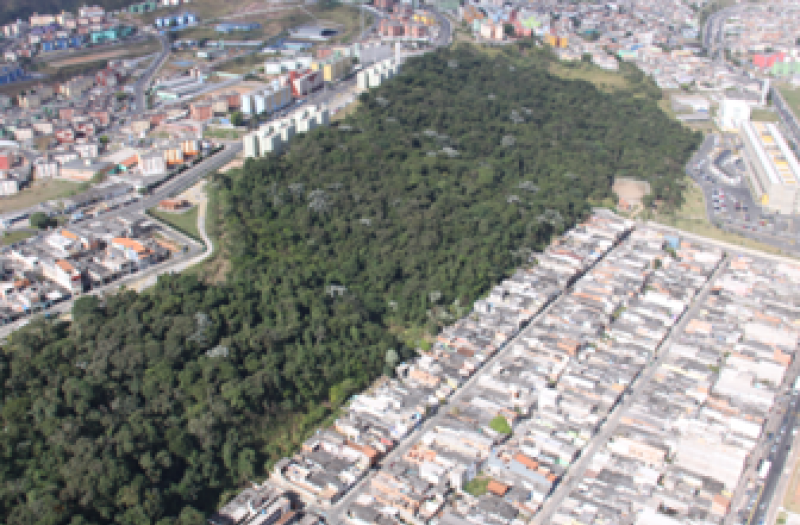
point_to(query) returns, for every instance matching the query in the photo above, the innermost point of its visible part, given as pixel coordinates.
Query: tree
(41, 221)
(500, 425)
(413, 206)
(237, 119)
(121, 95)
(104, 140)
(508, 30)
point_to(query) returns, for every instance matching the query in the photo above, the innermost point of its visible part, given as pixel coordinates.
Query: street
(577, 470)
(176, 263)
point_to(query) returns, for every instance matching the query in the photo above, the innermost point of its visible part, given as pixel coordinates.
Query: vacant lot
(632, 191)
(102, 55)
(604, 80)
(39, 192)
(107, 53)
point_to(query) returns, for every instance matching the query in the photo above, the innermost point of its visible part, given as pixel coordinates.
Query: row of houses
(531, 396)
(416, 486)
(274, 137)
(461, 442)
(681, 448)
(69, 261)
(533, 409)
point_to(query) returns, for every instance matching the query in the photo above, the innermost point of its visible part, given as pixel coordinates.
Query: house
(64, 273)
(173, 204)
(152, 164)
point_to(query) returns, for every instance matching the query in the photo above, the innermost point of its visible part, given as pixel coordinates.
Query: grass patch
(791, 96)
(477, 486)
(243, 64)
(11, 237)
(222, 133)
(185, 222)
(763, 115)
(691, 217)
(104, 53)
(603, 80)
(40, 191)
(346, 111)
(214, 269)
(790, 502)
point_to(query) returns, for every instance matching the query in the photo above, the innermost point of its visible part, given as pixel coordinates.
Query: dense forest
(152, 408)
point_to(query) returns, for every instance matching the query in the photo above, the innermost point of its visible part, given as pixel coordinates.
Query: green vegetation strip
(154, 408)
(11, 237)
(185, 222)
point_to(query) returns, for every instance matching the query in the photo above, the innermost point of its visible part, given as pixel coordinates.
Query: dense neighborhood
(628, 374)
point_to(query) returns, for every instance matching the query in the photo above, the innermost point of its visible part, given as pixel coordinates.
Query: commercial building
(772, 167)
(733, 113)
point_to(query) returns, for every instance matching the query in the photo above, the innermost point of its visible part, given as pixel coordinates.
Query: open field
(185, 222)
(603, 80)
(121, 50)
(102, 55)
(691, 217)
(269, 14)
(40, 191)
(346, 111)
(16, 88)
(242, 65)
(8, 238)
(223, 133)
(632, 191)
(763, 115)
(791, 96)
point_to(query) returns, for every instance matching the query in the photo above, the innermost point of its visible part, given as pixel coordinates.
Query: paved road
(713, 32)
(777, 451)
(178, 263)
(186, 262)
(141, 85)
(576, 471)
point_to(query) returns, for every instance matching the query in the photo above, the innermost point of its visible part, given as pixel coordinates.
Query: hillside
(148, 408)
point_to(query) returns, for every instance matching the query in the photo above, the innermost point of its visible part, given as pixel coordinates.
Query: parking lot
(720, 171)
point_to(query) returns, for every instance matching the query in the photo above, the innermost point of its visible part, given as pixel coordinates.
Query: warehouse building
(772, 167)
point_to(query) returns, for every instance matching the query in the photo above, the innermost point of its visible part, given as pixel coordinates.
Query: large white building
(772, 167)
(733, 114)
(274, 137)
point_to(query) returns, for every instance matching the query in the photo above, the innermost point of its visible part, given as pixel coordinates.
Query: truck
(763, 469)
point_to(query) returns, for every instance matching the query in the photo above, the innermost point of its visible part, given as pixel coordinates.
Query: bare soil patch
(630, 190)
